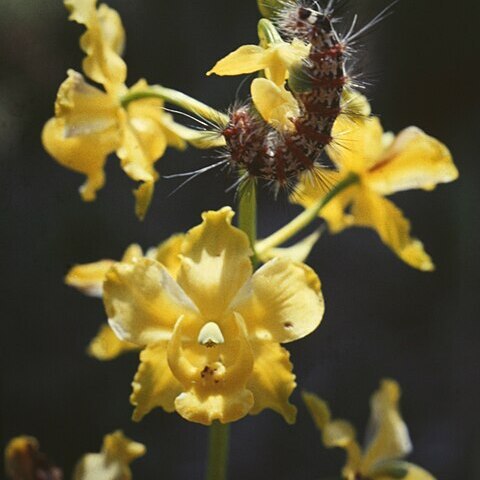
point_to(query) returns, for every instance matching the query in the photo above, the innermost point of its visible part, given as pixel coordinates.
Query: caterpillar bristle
(323, 177)
(341, 143)
(351, 114)
(239, 185)
(192, 175)
(372, 24)
(320, 178)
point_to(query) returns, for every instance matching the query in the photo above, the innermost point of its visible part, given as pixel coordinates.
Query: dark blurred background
(382, 319)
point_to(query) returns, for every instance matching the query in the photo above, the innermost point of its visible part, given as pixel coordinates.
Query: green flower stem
(177, 98)
(218, 446)
(247, 215)
(304, 219)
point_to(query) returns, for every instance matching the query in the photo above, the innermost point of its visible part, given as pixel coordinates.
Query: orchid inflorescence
(209, 310)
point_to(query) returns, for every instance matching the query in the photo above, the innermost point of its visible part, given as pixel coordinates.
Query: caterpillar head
(303, 22)
(307, 15)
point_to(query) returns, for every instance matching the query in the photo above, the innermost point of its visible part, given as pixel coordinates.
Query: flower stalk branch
(304, 219)
(247, 214)
(177, 98)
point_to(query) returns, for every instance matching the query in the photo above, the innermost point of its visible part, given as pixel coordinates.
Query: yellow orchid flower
(112, 463)
(89, 278)
(274, 59)
(89, 123)
(383, 164)
(212, 335)
(25, 461)
(388, 441)
(275, 104)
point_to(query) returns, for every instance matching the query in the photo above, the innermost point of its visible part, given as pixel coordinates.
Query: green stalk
(247, 215)
(177, 98)
(305, 218)
(218, 446)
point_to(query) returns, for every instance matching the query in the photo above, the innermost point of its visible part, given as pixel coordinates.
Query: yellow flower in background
(90, 123)
(388, 441)
(212, 335)
(25, 461)
(89, 278)
(112, 463)
(384, 164)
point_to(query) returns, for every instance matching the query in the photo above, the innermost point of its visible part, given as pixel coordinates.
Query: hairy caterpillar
(264, 152)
